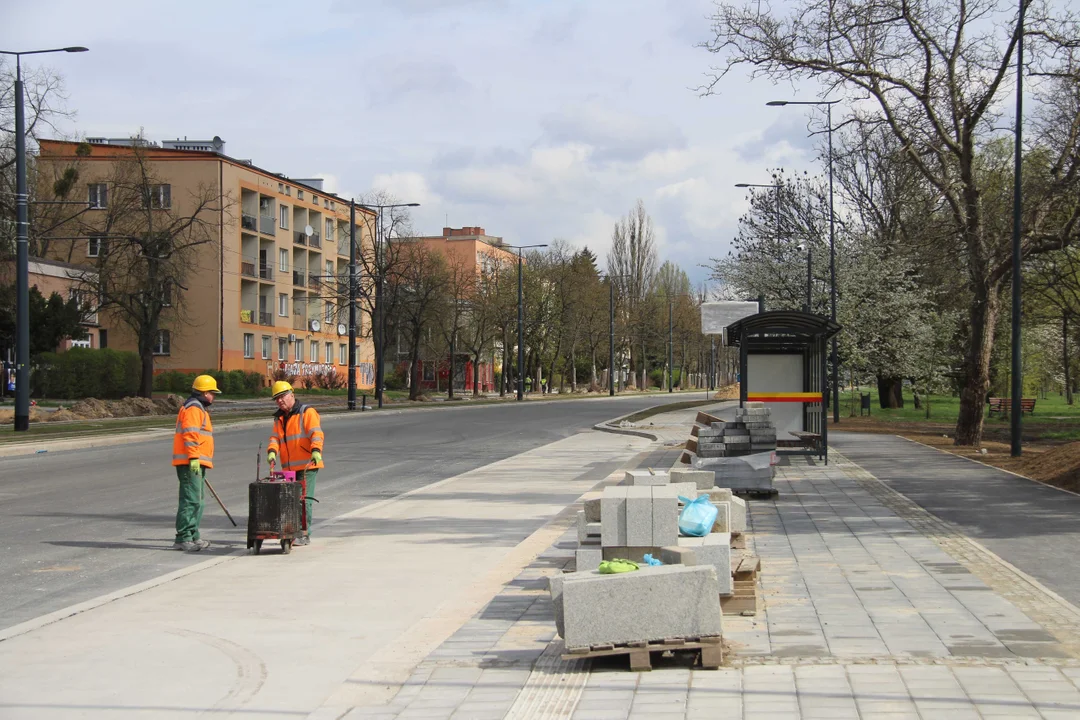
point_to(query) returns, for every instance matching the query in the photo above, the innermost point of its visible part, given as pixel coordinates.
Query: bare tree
(936, 72)
(423, 280)
(484, 307)
(632, 260)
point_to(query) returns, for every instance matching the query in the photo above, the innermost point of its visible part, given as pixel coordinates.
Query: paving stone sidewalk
(871, 608)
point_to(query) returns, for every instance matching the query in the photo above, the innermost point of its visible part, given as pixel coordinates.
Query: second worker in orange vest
(297, 442)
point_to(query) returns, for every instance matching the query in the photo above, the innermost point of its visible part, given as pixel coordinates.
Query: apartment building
(469, 245)
(272, 293)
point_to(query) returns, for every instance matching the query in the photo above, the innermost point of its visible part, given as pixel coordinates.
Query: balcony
(266, 318)
(266, 225)
(314, 281)
(299, 238)
(248, 222)
(247, 269)
(266, 272)
(315, 240)
(298, 277)
(300, 322)
(247, 316)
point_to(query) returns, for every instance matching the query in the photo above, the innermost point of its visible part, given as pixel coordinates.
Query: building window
(343, 355)
(299, 194)
(332, 205)
(298, 351)
(158, 197)
(166, 294)
(162, 345)
(284, 222)
(329, 230)
(95, 246)
(98, 196)
(329, 352)
(281, 188)
(314, 351)
(103, 341)
(283, 260)
(329, 270)
(266, 347)
(283, 305)
(328, 317)
(282, 349)
(288, 190)
(249, 345)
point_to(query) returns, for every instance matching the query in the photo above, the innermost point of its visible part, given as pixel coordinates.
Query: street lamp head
(76, 48)
(777, 103)
(742, 185)
(412, 205)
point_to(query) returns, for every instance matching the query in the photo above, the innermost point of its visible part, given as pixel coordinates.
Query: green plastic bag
(610, 567)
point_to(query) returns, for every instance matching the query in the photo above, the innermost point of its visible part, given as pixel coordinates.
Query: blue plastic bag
(697, 517)
(650, 560)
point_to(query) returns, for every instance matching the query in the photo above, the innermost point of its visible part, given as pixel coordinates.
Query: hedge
(83, 372)
(231, 382)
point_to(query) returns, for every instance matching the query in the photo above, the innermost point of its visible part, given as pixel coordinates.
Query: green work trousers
(189, 509)
(309, 477)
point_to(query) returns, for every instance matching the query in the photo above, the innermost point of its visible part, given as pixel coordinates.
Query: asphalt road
(78, 524)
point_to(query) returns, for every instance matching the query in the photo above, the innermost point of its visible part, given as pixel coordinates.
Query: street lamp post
(521, 323)
(670, 347)
(832, 241)
(377, 330)
(22, 248)
(1017, 378)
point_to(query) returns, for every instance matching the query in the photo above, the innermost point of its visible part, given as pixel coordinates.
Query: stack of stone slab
(650, 604)
(741, 452)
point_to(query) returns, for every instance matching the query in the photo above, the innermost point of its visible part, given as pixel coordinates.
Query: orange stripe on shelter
(810, 397)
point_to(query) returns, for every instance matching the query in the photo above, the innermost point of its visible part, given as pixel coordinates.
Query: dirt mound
(1058, 466)
(728, 392)
(61, 415)
(91, 409)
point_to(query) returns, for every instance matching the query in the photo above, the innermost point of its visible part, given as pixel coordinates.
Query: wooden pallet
(755, 493)
(745, 571)
(712, 651)
(704, 418)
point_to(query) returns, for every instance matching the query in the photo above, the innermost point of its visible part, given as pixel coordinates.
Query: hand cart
(276, 510)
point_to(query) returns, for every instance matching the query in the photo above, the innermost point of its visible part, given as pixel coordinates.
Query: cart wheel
(258, 547)
(286, 547)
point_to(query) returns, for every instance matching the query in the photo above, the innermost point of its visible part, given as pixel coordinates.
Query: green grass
(1053, 419)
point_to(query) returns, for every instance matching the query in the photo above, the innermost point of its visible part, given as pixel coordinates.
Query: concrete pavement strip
(376, 590)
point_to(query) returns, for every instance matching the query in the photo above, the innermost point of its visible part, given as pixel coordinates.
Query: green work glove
(271, 457)
(194, 465)
(316, 456)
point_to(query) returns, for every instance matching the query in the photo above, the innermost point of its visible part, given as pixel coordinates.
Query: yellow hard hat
(205, 383)
(280, 388)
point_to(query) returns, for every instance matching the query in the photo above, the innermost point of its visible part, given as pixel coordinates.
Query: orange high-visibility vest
(194, 438)
(295, 435)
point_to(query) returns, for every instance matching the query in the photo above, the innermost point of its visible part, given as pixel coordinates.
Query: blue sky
(536, 120)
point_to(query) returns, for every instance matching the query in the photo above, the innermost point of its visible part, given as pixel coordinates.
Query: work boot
(186, 545)
(302, 540)
(202, 544)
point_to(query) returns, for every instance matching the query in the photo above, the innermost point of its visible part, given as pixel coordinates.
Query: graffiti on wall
(365, 371)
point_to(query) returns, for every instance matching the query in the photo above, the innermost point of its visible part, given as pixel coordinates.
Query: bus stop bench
(810, 440)
(1003, 405)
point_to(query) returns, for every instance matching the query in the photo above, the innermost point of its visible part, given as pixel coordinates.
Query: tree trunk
(146, 377)
(505, 364)
(592, 371)
(983, 316)
(1065, 357)
(414, 367)
(890, 392)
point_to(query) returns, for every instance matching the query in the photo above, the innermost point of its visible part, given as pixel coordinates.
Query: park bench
(1003, 405)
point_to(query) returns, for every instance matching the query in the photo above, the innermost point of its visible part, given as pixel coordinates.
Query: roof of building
(156, 152)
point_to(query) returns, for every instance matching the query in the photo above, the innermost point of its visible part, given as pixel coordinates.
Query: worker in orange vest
(193, 455)
(297, 440)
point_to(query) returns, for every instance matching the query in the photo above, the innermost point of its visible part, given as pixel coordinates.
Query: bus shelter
(783, 362)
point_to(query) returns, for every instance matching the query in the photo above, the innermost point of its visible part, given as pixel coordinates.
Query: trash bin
(865, 403)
